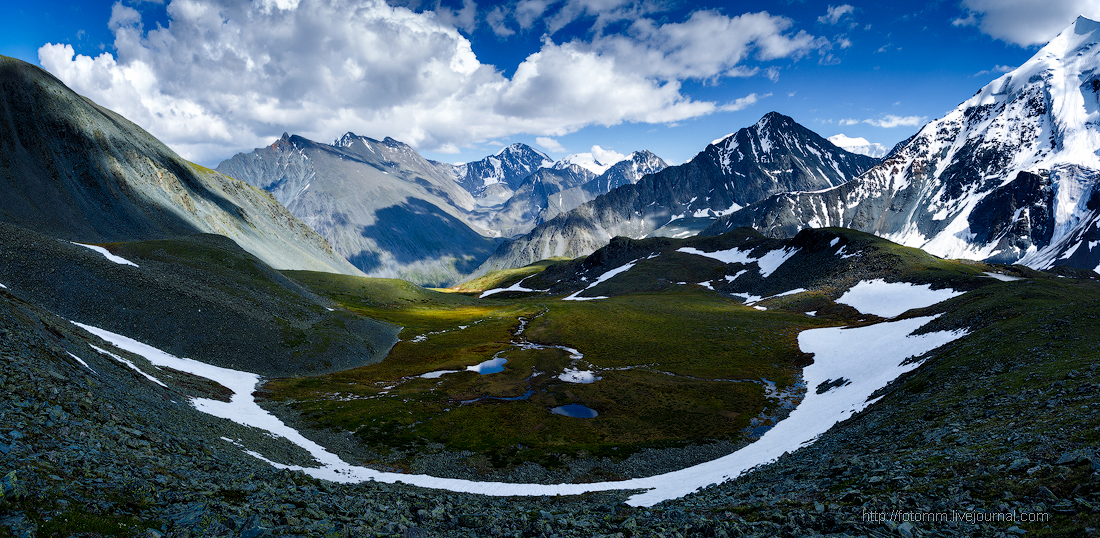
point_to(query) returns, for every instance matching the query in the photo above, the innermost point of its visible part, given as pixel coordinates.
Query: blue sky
(458, 79)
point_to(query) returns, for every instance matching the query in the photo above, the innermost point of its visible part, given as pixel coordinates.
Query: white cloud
(742, 103)
(607, 156)
(890, 120)
(835, 13)
(549, 144)
(496, 21)
(464, 19)
(227, 76)
(705, 45)
(887, 121)
(996, 69)
(1025, 22)
(529, 11)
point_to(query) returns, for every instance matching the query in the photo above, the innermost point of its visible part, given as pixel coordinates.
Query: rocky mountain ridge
(774, 155)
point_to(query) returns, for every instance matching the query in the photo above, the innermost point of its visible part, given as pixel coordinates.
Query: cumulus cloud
(887, 121)
(607, 156)
(228, 75)
(743, 102)
(996, 69)
(549, 144)
(835, 13)
(1024, 22)
(705, 45)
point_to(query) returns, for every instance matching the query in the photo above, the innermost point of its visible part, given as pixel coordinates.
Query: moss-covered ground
(683, 366)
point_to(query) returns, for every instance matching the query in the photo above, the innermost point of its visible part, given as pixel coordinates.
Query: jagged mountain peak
(774, 155)
(509, 167)
(520, 149)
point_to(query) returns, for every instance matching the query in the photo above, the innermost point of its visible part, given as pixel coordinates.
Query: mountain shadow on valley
(416, 230)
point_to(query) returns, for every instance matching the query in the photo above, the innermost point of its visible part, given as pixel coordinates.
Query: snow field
(768, 263)
(890, 299)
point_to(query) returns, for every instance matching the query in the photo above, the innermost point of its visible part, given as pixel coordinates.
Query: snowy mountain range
(392, 213)
(1010, 175)
(774, 155)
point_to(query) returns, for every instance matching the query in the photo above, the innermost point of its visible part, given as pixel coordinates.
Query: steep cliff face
(774, 155)
(76, 171)
(1010, 175)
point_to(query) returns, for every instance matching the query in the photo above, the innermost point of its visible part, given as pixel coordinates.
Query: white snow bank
(791, 292)
(768, 263)
(3, 286)
(117, 259)
(572, 375)
(1003, 278)
(868, 357)
(890, 299)
(438, 374)
(518, 286)
(82, 363)
(602, 278)
(131, 365)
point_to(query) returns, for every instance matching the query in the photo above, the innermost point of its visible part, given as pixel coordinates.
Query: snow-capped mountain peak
(1010, 175)
(859, 145)
(509, 166)
(583, 160)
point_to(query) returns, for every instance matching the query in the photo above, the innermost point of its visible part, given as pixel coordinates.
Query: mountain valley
(787, 335)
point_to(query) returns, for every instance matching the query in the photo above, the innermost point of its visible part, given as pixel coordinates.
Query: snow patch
(890, 299)
(131, 365)
(767, 263)
(518, 286)
(1002, 278)
(82, 363)
(117, 259)
(602, 278)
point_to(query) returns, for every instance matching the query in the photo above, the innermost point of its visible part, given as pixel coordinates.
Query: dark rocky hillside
(198, 296)
(72, 169)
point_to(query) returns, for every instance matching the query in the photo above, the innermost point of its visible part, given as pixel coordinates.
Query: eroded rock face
(774, 155)
(1007, 176)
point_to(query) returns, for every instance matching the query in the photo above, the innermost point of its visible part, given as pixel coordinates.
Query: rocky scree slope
(389, 211)
(774, 155)
(99, 448)
(198, 296)
(74, 170)
(1009, 176)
